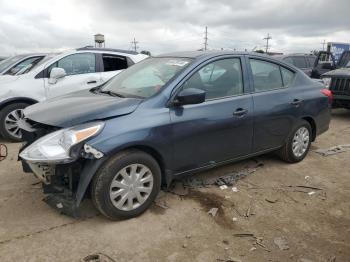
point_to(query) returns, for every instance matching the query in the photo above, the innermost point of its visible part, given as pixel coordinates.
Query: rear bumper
(341, 101)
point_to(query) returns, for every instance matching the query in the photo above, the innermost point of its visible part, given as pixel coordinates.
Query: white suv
(83, 68)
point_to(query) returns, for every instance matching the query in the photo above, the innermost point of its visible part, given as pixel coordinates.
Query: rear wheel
(126, 185)
(297, 145)
(9, 117)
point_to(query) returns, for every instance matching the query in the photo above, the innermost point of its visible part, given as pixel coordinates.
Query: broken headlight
(55, 147)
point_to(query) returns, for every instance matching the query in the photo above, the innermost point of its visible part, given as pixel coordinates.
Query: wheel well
(312, 123)
(155, 155)
(17, 100)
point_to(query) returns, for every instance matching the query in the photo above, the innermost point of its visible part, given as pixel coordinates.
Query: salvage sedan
(166, 117)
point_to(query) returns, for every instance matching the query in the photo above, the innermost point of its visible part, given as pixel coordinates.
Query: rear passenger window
(299, 61)
(288, 60)
(82, 63)
(114, 63)
(266, 75)
(287, 76)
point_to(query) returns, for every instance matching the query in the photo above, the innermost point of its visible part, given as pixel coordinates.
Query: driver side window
(82, 63)
(218, 79)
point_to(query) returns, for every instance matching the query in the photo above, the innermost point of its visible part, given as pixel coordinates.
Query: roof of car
(197, 54)
(91, 48)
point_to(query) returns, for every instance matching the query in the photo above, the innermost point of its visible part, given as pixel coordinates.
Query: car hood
(80, 107)
(338, 72)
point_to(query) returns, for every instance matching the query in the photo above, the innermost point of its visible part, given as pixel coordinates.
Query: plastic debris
(252, 249)
(311, 193)
(234, 219)
(332, 150)
(234, 189)
(223, 187)
(281, 242)
(213, 211)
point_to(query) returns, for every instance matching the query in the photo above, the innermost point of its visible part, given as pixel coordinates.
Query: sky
(172, 25)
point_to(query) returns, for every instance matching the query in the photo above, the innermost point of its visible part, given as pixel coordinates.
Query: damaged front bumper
(65, 184)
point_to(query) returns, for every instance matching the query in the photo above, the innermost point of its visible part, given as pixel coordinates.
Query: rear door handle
(92, 82)
(240, 112)
(296, 102)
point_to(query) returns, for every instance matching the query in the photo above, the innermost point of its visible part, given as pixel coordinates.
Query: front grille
(340, 86)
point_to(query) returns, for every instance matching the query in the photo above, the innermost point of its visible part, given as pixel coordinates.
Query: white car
(83, 68)
(12, 65)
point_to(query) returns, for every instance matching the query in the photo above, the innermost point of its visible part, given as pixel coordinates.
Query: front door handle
(296, 102)
(240, 112)
(92, 82)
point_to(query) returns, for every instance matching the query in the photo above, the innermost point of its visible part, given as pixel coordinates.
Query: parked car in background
(14, 64)
(2, 58)
(338, 81)
(305, 62)
(165, 117)
(79, 69)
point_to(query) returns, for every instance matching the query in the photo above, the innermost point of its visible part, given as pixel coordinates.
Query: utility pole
(323, 43)
(134, 44)
(206, 38)
(267, 42)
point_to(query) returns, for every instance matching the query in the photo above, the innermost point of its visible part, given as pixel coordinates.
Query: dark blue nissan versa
(168, 116)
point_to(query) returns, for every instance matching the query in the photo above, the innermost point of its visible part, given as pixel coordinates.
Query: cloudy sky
(171, 25)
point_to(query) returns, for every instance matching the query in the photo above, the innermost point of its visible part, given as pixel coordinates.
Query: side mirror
(190, 96)
(55, 74)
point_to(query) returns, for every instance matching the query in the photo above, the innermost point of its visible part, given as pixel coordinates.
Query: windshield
(146, 78)
(36, 63)
(345, 60)
(10, 61)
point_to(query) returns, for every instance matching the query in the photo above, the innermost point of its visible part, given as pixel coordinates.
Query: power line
(134, 43)
(267, 42)
(206, 38)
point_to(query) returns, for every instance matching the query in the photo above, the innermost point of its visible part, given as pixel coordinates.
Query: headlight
(55, 147)
(327, 81)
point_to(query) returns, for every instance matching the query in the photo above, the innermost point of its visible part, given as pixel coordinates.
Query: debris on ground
(234, 219)
(244, 235)
(161, 204)
(234, 189)
(223, 187)
(332, 259)
(188, 236)
(229, 260)
(213, 211)
(179, 189)
(332, 150)
(281, 242)
(311, 193)
(184, 246)
(98, 257)
(228, 179)
(252, 249)
(271, 200)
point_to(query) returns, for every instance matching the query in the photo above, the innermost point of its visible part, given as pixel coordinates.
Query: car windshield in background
(146, 78)
(10, 61)
(345, 60)
(35, 63)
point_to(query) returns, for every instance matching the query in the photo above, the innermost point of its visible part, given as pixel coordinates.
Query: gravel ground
(281, 221)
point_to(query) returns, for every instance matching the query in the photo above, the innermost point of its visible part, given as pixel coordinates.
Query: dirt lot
(268, 205)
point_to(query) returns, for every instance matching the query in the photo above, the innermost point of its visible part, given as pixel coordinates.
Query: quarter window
(218, 79)
(82, 63)
(287, 76)
(113, 63)
(266, 75)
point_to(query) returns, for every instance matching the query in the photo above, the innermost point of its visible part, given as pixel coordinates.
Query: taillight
(328, 93)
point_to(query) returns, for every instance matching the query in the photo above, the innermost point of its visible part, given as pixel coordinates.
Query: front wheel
(9, 117)
(126, 185)
(297, 145)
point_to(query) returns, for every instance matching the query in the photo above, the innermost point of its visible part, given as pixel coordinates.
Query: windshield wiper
(111, 93)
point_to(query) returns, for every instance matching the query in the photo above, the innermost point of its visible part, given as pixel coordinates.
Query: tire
(4, 113)
(106, 197)
(286, 153)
